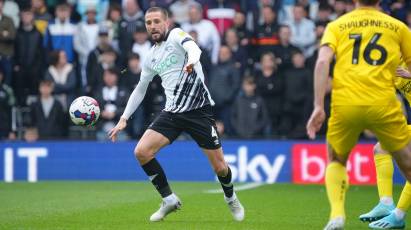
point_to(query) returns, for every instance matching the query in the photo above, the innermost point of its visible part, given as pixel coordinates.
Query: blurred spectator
(302, 31)
(284, 50)
(249, 108)
(131, 76)
(129, 80)
(310, 6)
(172, 22)
(7, 36)
(160, 3)
(11, 9)
(180, 10)
(103, 43)
(339, 9)
(29, 58)
(270, 85)
(99, 6)
(132, 19)
(51, 4)
(408, 19)
(324, 13)
(141, 43)
(298, 82)
(112, 100)
(221, 13)
(85, 41)
(266, 34)
(47, 114)
(224, 84)
(349, 5)
(396, 8)
(239, 52)
(208, 36)
(205, 58)
(255, 7)
(63, 76)
(60, 32)
(41, 15)
(7, 101)
(106, 60)
(154, 100)
(239, 26)
(111, 24)
(31, 134)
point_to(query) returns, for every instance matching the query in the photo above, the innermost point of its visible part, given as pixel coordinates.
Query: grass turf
(128, 205)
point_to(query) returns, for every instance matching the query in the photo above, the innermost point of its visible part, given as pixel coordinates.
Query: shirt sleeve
(139, 91)
(406, 45)
(330, 37)
(188, 44)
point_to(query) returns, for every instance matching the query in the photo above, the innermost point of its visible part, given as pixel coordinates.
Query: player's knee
(143, 154)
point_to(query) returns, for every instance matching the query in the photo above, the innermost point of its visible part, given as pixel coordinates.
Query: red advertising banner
(309, 162)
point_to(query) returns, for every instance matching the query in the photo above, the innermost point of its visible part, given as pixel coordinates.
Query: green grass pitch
(128, 205)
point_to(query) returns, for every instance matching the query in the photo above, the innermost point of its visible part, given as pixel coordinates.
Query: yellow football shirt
(368, 45)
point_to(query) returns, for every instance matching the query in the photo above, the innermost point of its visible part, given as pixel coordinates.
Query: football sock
(226, 184)
(336, 183)
(157, 176)
(405, 198)
(385, 170)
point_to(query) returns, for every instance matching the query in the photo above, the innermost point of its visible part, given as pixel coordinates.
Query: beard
(158, 37)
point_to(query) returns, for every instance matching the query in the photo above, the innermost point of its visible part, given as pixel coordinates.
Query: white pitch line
(237, 188)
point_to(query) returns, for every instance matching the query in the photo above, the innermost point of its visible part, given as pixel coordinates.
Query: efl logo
(309, 162)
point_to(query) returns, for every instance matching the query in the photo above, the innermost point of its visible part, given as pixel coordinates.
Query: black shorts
(198, 123)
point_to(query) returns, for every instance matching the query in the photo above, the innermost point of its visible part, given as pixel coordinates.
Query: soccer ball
(84, 111)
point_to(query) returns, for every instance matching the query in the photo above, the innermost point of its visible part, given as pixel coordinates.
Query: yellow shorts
(388, 123)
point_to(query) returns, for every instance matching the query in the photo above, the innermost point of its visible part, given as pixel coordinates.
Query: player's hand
(122, 123)
(403, 72)
(188, 68)
(315, 122)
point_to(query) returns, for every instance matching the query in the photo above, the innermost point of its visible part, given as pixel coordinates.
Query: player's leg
(385, 170)
(159, 134)
(336, 184)
(344, 128)
(223, 171)
(395, 137)
(202, 128)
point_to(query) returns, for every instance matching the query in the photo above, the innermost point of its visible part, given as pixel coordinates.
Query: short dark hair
(113, 70)
(158, 9)
(249, 79)
(133, 55)
(46, 81)
(368, 2)
(54, 56)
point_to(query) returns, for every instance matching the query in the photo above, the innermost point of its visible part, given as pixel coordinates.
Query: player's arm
(321, 73)
(188, 44)
(329, 43)
(133, 102)
(405, 46)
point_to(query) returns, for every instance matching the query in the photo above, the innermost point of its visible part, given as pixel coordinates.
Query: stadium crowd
(258, 57)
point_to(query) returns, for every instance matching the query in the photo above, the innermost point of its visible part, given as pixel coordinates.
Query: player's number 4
(372, 45)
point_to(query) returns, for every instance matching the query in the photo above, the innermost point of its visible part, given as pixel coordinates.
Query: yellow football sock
(336, 183)
(405, 198)
(385, 170)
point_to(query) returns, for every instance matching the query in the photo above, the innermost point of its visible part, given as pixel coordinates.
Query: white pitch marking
(237, 188)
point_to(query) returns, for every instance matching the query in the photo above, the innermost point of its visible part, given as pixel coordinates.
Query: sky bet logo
(257, 168)
(32, 155)
(309, 162)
